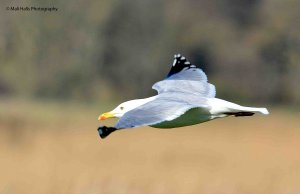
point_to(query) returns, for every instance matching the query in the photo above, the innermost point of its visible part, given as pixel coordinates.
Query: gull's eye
(121, 107)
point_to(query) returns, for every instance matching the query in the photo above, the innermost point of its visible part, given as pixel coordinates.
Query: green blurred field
(54, 148)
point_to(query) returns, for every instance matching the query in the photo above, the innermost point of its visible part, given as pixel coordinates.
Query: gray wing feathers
(211, 92)
(203, 89)
(176, 95)
(188, 81)
(161, 109)
(152, 113)
(193, 74)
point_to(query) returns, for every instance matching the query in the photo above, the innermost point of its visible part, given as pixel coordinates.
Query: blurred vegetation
(99, 50)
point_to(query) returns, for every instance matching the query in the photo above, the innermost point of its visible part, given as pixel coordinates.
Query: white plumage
(184, 98)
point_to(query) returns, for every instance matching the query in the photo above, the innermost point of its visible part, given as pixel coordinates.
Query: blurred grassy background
(56, 149)
(59, 70)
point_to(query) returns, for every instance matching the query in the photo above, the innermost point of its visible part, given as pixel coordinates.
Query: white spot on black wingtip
(174, 62)
(177, 56)
(180, 63)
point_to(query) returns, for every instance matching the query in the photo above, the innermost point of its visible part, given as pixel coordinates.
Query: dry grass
(55, 148)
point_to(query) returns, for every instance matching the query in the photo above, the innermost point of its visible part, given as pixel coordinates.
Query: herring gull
(184, 98)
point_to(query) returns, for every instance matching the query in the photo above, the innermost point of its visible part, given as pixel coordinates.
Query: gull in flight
(184, 98)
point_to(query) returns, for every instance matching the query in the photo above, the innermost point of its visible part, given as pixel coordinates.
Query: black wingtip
(179, 57)
(105, 131)
(179, 63)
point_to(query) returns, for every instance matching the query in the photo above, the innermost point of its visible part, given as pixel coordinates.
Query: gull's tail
(263, 111)
(247, 111)
(228, 108)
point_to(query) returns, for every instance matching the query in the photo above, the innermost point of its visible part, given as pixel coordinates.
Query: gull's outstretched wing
(185, 77)
(165, 107)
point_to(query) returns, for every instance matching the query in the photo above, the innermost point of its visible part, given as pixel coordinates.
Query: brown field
(55, 148)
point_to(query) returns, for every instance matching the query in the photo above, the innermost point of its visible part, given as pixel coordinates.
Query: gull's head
(120, 110)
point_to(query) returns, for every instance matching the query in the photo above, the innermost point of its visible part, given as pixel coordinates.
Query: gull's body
(184, 98)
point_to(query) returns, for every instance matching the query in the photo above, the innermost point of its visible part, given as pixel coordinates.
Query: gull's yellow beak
(106, 116)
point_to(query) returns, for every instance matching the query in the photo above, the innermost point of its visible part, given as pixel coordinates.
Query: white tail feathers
(255, 110)
(264, 111)
(219, 106)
